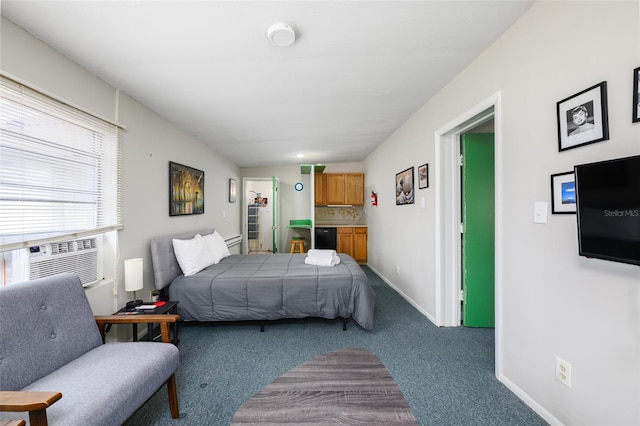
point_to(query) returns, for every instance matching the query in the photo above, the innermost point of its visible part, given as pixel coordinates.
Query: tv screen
(608, 209)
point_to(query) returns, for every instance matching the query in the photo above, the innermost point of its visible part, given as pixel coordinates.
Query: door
(354, 189)
(274, 214)
(345, 241)
(360, 244)
(335, 188)
(478, 230)
(260, 215)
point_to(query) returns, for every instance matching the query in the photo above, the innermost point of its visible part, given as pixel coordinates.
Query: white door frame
(447, 215)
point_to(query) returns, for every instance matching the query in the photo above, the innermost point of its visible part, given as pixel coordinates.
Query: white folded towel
(322, 261)
(322, 253)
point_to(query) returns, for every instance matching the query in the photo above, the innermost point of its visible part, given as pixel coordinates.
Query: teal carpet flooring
(446, 374)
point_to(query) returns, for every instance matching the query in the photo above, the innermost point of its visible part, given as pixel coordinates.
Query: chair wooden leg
(38, 418)
(173, 397)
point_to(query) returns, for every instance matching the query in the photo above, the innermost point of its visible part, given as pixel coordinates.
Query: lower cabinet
(353, 241)
(360, 244)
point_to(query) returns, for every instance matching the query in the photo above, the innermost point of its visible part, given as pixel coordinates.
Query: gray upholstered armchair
(55, 367)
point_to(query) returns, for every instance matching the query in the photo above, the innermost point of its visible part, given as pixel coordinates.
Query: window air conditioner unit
(77, 256)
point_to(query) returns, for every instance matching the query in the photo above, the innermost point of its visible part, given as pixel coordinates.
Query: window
(60, 176)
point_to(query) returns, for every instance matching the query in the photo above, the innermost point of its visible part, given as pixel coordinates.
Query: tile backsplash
(340, 216)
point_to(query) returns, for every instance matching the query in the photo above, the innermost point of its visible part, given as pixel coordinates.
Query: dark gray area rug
(347, 387)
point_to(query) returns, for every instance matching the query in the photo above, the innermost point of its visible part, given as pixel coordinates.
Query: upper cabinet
(354, 189)
(335, 189)
(320, 189)
(339, 189)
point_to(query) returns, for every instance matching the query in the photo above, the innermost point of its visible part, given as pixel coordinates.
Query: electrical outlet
(563, 372)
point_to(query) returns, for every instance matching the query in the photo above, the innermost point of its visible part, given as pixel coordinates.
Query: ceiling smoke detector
(281, 35)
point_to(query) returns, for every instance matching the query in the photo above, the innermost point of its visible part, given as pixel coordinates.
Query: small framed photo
(582, 118)
(636, 95)
(563, 193)
(233, 191)
(404, 187)
(423, 176)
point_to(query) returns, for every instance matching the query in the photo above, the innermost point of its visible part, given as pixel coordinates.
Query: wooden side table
(168, 308)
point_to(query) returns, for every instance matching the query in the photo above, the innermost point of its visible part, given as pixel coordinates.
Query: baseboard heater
(233, 241)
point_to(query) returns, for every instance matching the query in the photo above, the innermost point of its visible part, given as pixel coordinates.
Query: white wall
(149, 143)
(555, 303)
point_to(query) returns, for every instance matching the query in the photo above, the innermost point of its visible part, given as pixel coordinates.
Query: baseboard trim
(404, 296)
(532, 403)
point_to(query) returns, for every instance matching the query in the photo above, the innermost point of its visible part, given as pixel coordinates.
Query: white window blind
(60, 170)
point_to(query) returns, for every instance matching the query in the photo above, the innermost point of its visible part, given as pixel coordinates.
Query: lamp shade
(133, 278)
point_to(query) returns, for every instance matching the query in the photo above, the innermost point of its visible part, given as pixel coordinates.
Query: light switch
(540, 212)
(422, 202)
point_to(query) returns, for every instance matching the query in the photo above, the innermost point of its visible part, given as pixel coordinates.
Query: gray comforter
(275, 286)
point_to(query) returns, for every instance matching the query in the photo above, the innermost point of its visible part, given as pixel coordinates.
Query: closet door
(478, 237)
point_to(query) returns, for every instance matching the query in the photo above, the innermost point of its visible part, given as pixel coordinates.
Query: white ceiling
(357, 71)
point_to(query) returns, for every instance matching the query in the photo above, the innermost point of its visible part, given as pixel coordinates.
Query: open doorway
(260, 213)
(448, 262)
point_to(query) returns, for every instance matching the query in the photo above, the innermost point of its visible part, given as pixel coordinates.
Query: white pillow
(192, 255)
(216, 246)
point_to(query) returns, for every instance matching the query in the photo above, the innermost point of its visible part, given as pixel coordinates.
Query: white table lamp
(133, 279)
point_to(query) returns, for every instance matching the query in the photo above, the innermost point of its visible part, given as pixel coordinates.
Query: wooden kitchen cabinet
(360, 244)
(345, 240)
(354, 189)
(344, 189)
(320, 189)
(353, 241)
(335, 188)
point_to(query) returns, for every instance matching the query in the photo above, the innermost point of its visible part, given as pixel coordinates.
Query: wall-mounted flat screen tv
(608, 209)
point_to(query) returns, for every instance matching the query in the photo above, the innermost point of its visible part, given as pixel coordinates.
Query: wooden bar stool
(297, 244)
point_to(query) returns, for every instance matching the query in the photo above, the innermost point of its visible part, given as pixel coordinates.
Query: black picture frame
(186, 190)
(636, 96)
(233, 190)
(405, 187)
(423, 176)
(583, 118)
(563, 193)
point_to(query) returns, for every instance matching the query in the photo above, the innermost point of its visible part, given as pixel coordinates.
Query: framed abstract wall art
(186, 190)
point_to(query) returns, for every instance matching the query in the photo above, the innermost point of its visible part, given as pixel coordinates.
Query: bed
(261, 287)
